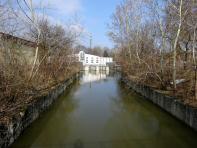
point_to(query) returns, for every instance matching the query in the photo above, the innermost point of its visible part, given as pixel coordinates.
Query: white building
(92, 60)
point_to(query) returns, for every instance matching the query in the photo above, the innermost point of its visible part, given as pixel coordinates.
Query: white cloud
(77, 28)
(61, 12)
(65, 7)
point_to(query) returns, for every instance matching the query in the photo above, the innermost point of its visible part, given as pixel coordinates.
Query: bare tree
(180, 15)
(157, 43)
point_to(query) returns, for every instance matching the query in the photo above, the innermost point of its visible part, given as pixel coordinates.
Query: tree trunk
(175, 45)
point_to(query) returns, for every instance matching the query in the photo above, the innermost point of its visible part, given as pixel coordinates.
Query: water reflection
(105, 115)
(94, 76)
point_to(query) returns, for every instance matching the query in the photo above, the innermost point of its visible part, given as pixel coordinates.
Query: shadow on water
(100, 112)
(30, 135)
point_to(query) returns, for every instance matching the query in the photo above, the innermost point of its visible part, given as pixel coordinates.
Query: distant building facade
(93, 60)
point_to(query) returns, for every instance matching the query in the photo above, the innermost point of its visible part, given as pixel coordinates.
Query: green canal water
(99, 112)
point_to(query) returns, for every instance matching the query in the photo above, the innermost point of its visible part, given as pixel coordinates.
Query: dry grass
(148, 73)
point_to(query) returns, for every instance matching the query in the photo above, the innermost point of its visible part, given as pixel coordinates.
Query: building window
(86, 59)
(96, 60)
(92, 60)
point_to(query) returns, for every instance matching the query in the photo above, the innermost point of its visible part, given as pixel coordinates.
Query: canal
(99, 112)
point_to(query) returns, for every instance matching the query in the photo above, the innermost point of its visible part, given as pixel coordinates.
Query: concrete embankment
(9, 133)
(175, 107)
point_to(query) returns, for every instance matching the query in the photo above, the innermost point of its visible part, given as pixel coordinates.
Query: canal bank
(11, 131)
(101, 112)
(175, 107)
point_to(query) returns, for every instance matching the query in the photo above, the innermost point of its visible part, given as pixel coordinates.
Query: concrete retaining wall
(175, 107)
(8, 134)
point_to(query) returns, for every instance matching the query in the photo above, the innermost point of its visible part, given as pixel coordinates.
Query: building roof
(16, 39)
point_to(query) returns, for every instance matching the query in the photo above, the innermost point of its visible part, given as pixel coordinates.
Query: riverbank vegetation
(157, 42)
(35, 56)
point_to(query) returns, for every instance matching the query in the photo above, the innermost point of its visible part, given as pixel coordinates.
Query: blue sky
(94, 16)
(97, 14)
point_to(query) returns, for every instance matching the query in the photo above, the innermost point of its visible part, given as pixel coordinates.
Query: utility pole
(90, 41)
